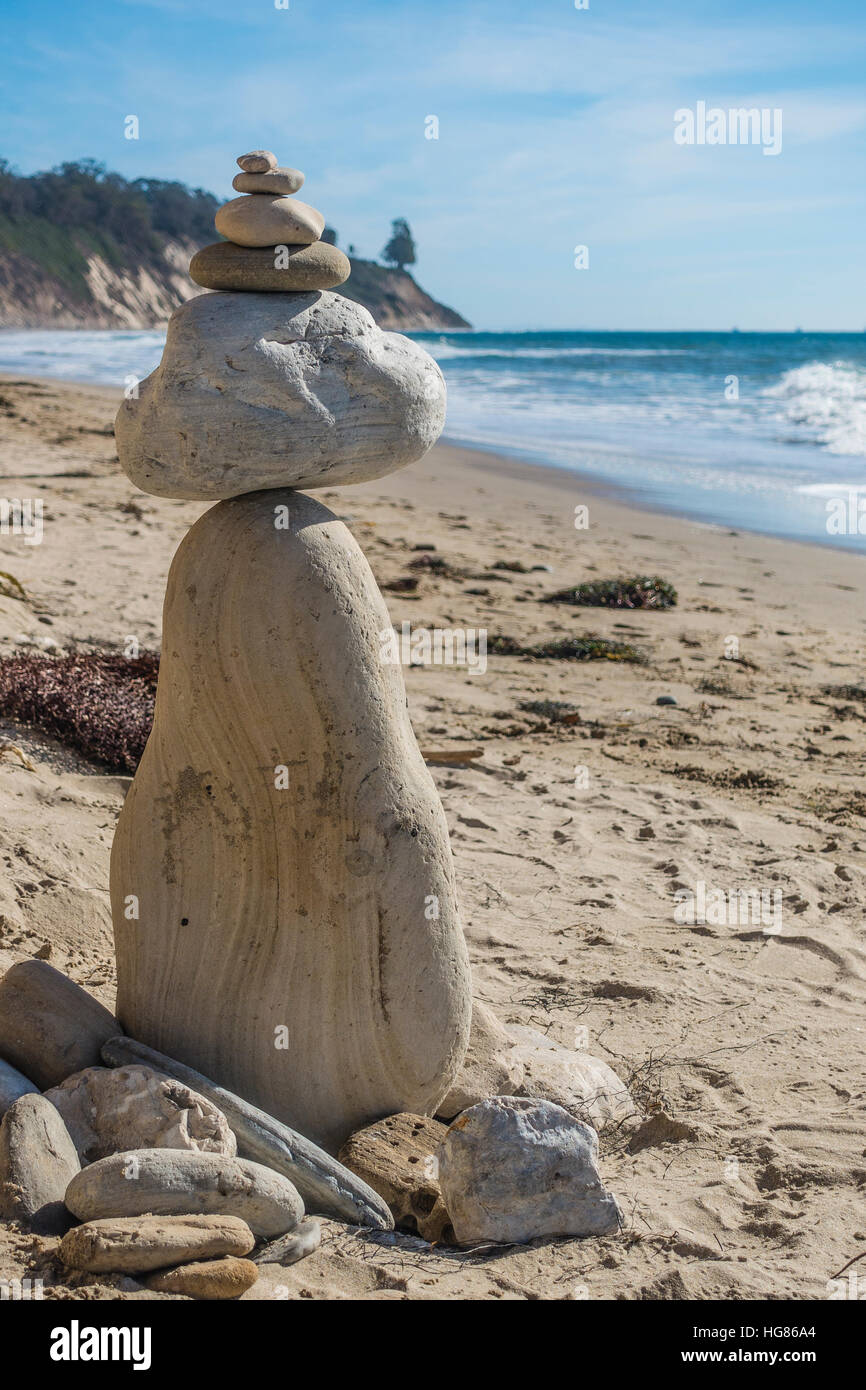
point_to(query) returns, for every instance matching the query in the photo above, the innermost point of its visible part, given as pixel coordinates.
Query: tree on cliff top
(400, 250)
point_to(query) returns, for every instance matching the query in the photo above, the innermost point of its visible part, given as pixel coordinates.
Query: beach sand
(747, 1046)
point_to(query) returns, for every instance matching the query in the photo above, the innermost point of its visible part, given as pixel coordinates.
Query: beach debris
(109, 1110)
(403, 584)
(665, 700)
(101, 705)
(282, 825)
(513, 1169)
(583, 1085)
(586, 648)
(37, 1163)
(434, 564)
(397, 1157)
(451, 755)
(554, 711)
(173, 1182)
(325, 1185)
(49, 1026)
(19, 753)
(644, 591)
(138, 1244)
(289, 1249)
(264, 391)
(10, 587)
(490, 1067)
(13, 1085)
(206, 1279)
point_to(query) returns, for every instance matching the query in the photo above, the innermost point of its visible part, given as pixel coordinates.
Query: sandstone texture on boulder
(278, 180)
(222, 266)
(49, 1026)
(171, 1182)
(584, 1085)
(13, 1085)
(228, 1278)
(324, 1184)
(111, 1110)
(269, 219)
(295, 1246)
(512, 1169)
(293, 959)
(490, 1067)
(37, 1163)
(137, 1244)
(264, 391)
(397, 1157)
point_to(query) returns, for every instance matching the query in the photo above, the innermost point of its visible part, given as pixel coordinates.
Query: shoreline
(514, 465)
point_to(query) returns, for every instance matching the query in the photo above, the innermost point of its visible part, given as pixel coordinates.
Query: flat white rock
(260, 391)
(582, 1084)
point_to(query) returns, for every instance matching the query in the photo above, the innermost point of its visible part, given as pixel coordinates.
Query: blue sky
(555, 130)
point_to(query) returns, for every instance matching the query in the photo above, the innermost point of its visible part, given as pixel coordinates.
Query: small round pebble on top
(257, 161)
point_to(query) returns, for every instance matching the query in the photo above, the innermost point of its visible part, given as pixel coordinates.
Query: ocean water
(761, 431)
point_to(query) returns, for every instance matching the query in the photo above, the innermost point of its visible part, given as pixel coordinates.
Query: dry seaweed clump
(587, 648)
(645, 591)
(102, 706)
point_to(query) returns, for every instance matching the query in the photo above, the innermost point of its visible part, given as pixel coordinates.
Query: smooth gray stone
(178, 1182)
(37, 1162)
(288, 1250)
(325, 1185)
(13, 1085)
(49, 1026)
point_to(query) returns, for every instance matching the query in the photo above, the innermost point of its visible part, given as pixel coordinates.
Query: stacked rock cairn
(294, 1001)
(272, 238)
(283, 891)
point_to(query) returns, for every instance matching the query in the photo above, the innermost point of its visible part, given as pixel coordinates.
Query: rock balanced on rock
(272, 238)
(283, 891)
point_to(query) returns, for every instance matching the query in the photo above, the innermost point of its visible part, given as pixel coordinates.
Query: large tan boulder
(283, 892)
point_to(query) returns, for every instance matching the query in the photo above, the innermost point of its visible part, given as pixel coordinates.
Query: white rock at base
(260, 391)
(584, 1085)
(111, 1110)
(512, 1169)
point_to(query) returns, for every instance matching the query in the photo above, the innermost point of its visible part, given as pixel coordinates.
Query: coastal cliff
(82, 248)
